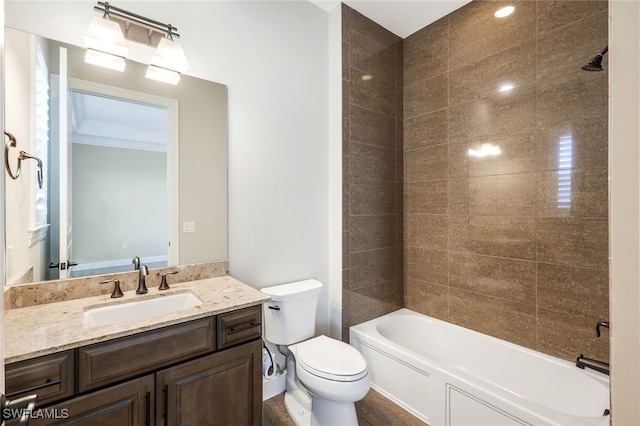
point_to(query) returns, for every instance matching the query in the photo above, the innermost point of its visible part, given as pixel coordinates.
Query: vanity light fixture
(106, 42)
(504, 12)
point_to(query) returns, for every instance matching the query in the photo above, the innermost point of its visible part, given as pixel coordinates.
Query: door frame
(173, 151)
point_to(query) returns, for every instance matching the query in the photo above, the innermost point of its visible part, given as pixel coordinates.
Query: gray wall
(119, 196)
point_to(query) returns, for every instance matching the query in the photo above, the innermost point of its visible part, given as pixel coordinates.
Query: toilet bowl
(325, 376)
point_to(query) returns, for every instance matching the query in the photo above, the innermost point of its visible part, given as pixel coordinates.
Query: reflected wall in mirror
(146, 165)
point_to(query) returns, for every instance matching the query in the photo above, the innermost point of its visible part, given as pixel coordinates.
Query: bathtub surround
(372, 170)
(513, 245)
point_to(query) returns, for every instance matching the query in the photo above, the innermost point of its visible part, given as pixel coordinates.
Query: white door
(61, 241)
(64, 169)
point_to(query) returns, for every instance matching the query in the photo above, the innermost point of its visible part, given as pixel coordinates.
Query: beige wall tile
(559, 13)
(504, 195)
(426, 96)
(372, 58)
(477, 121)
(574, 193)
(587, 139)
(372, 128)
(427, 298)
(372, 197)
(426, 163)
(567, 335)
(426, 130)
(426, 61)
(504, 236)
(564, 50)
(426, 231)
(573, 241)
(366, 27)
(428, 197)
(515, 66)
(574, 290)
(372, 93)
(426, 264)
(475, 32)
(372, 163)
(504, 278)
(517, 155)
(372, 267)
(504, 319)
(566, 98)
(373, 232)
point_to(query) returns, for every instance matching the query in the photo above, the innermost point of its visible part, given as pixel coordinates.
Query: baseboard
(274, 386)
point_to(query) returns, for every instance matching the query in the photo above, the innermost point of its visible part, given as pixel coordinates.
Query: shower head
(596, 62)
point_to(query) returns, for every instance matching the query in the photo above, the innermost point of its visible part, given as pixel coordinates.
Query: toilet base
(326, 413)
(299, 412)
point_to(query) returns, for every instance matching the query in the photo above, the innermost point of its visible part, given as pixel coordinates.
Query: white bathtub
(448, 375)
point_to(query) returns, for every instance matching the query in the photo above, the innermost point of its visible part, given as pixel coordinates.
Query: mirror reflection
(126, 162)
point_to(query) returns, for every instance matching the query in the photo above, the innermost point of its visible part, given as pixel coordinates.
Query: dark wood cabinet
(202, 372)
(51, 377)
(114, 360)
(127, 404)
(216, 390)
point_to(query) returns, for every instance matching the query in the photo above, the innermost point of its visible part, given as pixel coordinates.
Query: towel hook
(22, 156)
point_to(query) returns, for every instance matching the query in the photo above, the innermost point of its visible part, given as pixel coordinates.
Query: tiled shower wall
(372, 175)
(514, 245)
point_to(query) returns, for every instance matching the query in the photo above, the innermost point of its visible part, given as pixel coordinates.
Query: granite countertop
(44, 329)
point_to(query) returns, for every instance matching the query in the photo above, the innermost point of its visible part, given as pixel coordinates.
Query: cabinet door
(129, 403)
(220, 389)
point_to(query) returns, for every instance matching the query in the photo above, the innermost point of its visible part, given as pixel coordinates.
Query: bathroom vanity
(195, 366)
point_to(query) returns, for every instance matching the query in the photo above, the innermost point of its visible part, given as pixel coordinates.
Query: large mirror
(131, 166)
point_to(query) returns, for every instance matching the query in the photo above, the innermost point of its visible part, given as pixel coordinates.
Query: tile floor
(373, 410)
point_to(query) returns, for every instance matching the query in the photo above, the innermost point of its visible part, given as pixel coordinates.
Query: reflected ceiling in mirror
(123, 175)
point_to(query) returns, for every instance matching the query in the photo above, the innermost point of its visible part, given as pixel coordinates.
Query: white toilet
(325, 377)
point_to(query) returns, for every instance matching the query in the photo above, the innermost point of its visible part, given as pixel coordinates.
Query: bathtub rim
(401, 353)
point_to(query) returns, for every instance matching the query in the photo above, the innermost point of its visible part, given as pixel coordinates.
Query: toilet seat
(331, 359)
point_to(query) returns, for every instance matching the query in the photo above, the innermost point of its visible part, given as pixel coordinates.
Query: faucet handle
(136, 263)
(599, 324)
(163, 284)
(116, 288)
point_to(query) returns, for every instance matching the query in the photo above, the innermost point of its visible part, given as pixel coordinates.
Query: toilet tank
(290, 315)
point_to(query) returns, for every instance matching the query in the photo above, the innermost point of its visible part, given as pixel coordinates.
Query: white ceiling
(401, 17)
(116, 123)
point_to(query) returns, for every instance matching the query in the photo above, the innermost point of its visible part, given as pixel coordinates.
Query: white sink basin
(138, 309)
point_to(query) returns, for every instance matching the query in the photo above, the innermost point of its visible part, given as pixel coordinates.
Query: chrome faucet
(142, 285)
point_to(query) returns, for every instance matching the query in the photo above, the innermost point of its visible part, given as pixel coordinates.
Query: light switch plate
(188, 227)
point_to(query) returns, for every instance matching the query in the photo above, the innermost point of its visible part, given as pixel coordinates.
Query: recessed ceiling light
(504, 12)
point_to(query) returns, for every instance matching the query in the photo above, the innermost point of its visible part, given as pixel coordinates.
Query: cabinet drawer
(119, 359)
(126, 404)
(49, 376)
(239, 326)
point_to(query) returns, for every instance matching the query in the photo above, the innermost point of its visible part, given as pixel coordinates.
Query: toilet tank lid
(292, 290)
